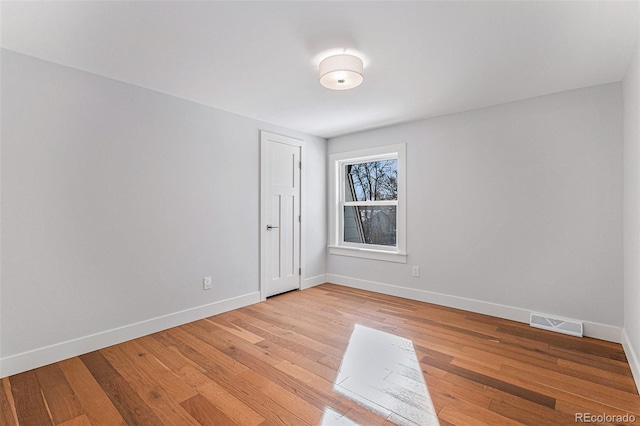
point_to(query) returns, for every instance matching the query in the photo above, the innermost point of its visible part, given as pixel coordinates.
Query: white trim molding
(313, 281)
(632, 358)
(25, 361)
(591, 329)
(398, 257)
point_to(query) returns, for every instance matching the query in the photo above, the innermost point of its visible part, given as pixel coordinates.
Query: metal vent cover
(559, 325)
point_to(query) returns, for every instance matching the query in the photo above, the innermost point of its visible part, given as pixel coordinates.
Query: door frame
(266, 137)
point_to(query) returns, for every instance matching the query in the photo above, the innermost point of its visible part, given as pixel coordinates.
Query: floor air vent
(574, 328)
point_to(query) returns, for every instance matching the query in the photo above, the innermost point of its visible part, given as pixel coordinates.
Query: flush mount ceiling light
(341, 72)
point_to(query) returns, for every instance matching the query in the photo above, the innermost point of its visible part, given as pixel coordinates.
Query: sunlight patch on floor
(331, 417)
(381, 372)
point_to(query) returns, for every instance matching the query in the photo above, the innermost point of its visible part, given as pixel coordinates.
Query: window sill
(388, 256)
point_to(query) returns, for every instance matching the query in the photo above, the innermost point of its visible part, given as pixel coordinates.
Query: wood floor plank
(462, 412)
(336, 336)
(606, 364)
(297, 342)
(234, 408)
(316, 367)
(59, 396)
(309, 393)
(583, 345)
(294, 402)
(442, 391)
(623, 400)
(276, 320)
(28, 399)
(151, 387)
(505, 350)
(7, 408)
(167, 355)
(205, 413)
(215, 357)
(82, 420)
(150, 369)
(445, 349)
(166, 338)
(572, 405)
(95, 403)
(507, 405)
(523, 411)
(442, 326)
(234, 384)
(577, 373)
(128, 403)
(547, 389)
(607, 378)
(258, 368)
(324, 386)
(487, 380)
(232, 328)
(233, 340)
(257, 400)
(282, 362)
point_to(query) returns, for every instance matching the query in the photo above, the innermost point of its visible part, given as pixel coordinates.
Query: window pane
(370, 225)
(373, 181)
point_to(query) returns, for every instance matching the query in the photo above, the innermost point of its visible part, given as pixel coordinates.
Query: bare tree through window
(366, 183)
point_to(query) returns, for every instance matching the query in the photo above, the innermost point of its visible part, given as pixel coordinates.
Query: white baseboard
(313, 281)
(632, 358)
(591, 329)
(42, 356)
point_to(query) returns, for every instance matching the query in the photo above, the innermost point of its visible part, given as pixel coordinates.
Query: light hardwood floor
(331, 355)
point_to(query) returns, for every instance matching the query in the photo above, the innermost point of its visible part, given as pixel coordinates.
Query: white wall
(116, 201)
(631, 95)
(517, 205)
(314, 221)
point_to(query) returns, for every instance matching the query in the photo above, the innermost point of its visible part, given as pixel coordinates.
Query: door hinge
(299, 271)
(299, 219)
(300, 164)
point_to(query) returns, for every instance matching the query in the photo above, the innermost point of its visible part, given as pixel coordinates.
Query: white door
(280, 260)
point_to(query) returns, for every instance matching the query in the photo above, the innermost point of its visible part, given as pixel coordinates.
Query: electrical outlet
(415, 271)
(206, 283)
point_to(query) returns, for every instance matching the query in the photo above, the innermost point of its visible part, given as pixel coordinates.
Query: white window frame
(337, 245)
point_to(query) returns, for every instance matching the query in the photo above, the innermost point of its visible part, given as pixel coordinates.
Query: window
(370, 202)
(367, 209)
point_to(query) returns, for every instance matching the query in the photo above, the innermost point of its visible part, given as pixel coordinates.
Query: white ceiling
(259, 59)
